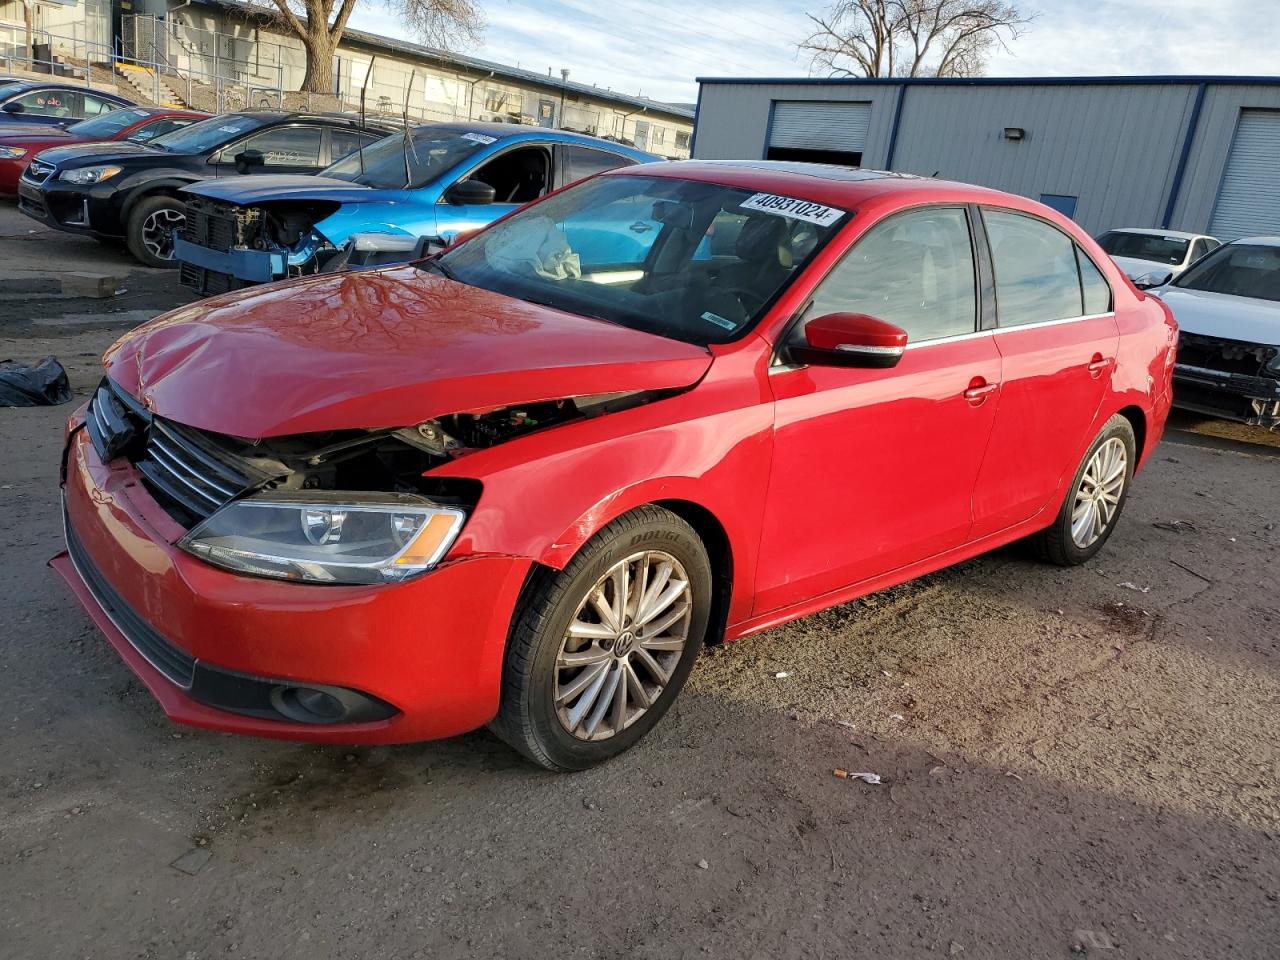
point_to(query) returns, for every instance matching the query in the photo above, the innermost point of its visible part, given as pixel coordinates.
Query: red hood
(379, 349)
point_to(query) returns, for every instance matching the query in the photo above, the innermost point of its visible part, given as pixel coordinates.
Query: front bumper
(71, 207)
(430, 648)
(1236, 396)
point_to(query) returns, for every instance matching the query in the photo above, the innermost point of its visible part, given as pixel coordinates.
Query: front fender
(145, 187)
(416, 218)
(546, 494)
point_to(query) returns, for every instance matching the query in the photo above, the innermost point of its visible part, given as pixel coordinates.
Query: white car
(1228, 310)
(1141, 252)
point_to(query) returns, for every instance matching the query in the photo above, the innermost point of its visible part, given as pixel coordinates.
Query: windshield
(1144, 246)
(207, 134)
(107, 124)
(430, 152)
(1240, 269)
(698, 262)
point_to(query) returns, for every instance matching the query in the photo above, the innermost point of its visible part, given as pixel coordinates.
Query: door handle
(1098, 364)
(979, 390)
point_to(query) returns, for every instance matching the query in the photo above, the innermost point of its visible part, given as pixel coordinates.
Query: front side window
(914, 270)
(285, 146)
(1035, 266)
(517, 176)
(51, 103)
(1238, 269)
(698, 262)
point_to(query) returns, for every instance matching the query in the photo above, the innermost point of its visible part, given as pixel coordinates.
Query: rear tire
(1095, 499)
(598, 651)
(149, 230)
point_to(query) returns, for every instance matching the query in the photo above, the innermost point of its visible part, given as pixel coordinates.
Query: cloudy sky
(657, 47)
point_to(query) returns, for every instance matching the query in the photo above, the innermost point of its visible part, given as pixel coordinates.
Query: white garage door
(1249, 200)
(804, 125)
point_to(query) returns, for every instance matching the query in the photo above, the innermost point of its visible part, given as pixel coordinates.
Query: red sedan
(138, 124)
(522, 483)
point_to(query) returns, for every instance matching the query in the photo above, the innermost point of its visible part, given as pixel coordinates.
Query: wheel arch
(1137, 418)
(152, 188)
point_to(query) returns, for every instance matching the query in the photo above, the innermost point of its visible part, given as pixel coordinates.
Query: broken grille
(186, 470)
(1227, 356)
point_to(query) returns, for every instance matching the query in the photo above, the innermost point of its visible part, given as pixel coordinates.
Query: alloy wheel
(623, 645)
(158, 230)
(1099, 492)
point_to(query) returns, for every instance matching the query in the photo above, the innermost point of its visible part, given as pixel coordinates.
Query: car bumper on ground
(411, 661)
(251, 266)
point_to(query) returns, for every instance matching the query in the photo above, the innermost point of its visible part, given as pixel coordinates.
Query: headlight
(88, 174)
(327, 537)
(12, 153)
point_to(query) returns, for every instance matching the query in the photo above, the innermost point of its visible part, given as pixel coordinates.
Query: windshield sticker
(718, 320)
(231, 128)
(479, 138)
(794, 208)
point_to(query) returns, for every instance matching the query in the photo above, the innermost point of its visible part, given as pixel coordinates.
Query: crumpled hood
(1223, 315)
(111, 151)
(260, 187)
(382, 348)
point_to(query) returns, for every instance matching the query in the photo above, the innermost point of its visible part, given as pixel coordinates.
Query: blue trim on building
(768, 129)
(693, 137)
(1181, 170)
(897, 120)
(998, 81)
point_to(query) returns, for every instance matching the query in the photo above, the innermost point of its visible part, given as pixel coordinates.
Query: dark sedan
(129, 191)
(53, 104)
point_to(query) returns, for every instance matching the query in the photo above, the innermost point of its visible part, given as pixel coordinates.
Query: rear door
(874, 469)
(1057, 338)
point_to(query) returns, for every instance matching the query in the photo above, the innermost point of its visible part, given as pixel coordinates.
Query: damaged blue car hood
(246, 191)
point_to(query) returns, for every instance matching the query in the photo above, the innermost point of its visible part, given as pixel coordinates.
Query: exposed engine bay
(176, 460)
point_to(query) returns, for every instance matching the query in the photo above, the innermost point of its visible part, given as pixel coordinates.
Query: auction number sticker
(479, 138)
(794, 208)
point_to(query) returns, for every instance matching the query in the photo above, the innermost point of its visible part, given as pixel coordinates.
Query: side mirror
(470, 192)
(14, 107)
(1149, 280)
(851, 340)
(248, 159)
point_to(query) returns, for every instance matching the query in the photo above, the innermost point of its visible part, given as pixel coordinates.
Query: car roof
(1259, 241)
(1156, 232)
(25, 84)
(826, 183)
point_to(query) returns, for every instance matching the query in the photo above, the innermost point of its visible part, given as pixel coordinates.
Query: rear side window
(914, 270)
(1035, 266)
(344, 142)
(1094, 286)
(583, 162)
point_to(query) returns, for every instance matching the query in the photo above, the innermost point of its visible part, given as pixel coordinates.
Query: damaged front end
(224, 246)
(349, 506)
(1228, 378)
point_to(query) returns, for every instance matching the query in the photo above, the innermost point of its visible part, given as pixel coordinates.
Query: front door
(874, 469)
(1058, 339)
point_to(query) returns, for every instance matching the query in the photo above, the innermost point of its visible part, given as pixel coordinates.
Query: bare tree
(319, 24)
(910, 38)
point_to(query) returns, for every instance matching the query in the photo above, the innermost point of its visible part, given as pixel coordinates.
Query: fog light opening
(308, 705)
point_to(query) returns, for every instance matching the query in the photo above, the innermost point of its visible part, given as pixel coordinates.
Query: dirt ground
(1077, 761)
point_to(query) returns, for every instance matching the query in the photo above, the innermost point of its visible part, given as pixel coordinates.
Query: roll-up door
(1248, 201)
(818, 131)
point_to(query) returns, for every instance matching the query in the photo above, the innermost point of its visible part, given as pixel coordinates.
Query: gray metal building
(1184, 153)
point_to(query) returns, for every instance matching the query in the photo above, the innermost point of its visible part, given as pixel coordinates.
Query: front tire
(1095, 499)
(598, 651)
(149, 232)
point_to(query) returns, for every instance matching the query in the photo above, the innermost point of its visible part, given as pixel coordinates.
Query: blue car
(37, 103)
(434, 182)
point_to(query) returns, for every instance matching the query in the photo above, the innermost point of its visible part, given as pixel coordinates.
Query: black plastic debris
(40, 385)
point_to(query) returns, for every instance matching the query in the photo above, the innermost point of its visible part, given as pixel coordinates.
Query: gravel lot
(1076, 760)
